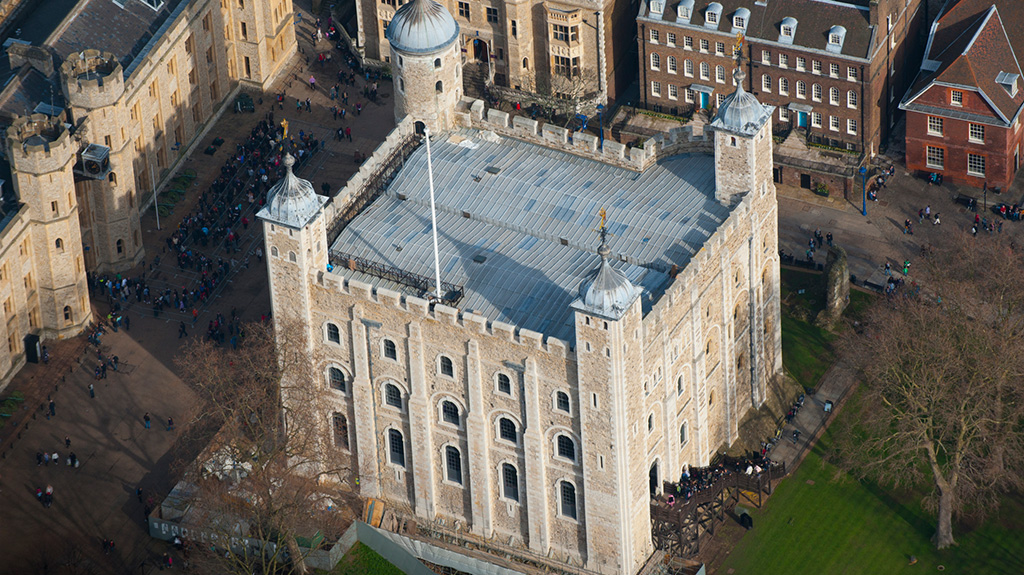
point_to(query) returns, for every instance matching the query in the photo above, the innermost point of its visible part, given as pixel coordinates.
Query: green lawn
(361, 560)
(806, 351)
(822, 521)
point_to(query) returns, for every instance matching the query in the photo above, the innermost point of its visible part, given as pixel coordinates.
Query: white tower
(743, 144)
(427, 63)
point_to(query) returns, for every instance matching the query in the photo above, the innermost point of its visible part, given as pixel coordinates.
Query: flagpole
(156, 201)
(433, 215)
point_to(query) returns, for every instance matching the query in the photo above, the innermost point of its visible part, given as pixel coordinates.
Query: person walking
(936, 222)
(67, 441)
(92, 391)
(53, 408)
(348, 133)
(146, 420)
(182, 332)
(170, 424)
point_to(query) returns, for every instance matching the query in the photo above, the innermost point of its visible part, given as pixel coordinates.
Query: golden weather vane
(284, 124)
(604, 216)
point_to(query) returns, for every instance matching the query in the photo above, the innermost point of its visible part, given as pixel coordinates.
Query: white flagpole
(433, 215)
(156, 201)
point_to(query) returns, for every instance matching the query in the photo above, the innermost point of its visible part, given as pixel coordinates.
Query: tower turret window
(120, 246)
(437, 62)
(566, 448)
(59, 245)
(68, 316)
(439, 87)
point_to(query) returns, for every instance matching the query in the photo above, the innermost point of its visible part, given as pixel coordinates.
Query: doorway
(655, 483)
(480, 50)
(801, 119)
(805, 181)
(705, 100)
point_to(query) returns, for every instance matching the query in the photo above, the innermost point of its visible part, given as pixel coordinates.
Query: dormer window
(787, 30)
(739, 20)
(836, 36)
(712, 15)
(1008, 82)
(684, 11)
(657, 7)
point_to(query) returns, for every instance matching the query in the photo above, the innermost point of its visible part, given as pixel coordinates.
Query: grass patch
(822, 520)
(361, 560)
(806, 350)
(812, 286)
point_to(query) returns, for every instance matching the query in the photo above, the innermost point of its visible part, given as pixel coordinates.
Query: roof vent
(1008, 82)
(494, 170)
(479, 258)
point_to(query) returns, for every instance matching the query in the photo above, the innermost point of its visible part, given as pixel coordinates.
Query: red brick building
(833, 68)
(963, 110)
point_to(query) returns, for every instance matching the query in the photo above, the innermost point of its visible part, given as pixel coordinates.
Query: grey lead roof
(520, 217)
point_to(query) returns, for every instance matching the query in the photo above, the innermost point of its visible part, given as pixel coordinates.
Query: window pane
(340, 430)
(390, 350)
(507, 429)
(504, 384)
(333, 333)
(450, 412)
(396, 447)
(568, 499)
(337, 378)
(392, 395)
(510, 482)
(566, 448)
(453, 464)
(563, 401)
(447, 368)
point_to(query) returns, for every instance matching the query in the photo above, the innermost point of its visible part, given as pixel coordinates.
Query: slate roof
(534, 223)
(969, 45)
(815, 18)
(106, 26)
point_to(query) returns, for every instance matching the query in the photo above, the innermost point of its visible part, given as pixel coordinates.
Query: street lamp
(864, 190)
(600, 132)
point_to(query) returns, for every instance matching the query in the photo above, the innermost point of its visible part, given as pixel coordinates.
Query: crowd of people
(695, 480)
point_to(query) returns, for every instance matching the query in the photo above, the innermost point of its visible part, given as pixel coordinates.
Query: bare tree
(567, 93)
(943, 391)
(271, 472)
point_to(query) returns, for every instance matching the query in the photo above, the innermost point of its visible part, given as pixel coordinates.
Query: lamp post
(864, 190)
(985, 189)
(600, 132)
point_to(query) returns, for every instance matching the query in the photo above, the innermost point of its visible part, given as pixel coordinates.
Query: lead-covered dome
(740, 112)
(607, 292)
(292, 201)
(422, 26)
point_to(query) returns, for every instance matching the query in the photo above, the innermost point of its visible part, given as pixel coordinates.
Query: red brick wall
(998, 150)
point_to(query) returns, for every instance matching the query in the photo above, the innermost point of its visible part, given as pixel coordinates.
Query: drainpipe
(863, 104)
(643, 63)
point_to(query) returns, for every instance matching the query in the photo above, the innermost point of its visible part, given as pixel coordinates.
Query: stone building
(964, 108)
(572, 48)
(834, 69)
(603, 319)
(89, 131)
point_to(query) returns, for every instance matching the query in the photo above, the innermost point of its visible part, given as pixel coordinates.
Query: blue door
(801, 119)
(703, 100)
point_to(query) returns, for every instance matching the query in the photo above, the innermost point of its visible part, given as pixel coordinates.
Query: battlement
(92, 79)
(421, 308)
(39, 143)
(690, 139)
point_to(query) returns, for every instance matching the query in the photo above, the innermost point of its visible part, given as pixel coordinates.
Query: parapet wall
(39, 143)
(686, 139)
(421, 308)
(92, 79)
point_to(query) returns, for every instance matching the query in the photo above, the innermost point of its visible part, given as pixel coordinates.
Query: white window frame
(833, 70)
(656, 88)
(801, 89)
(766, 83)
(975, 158)
(851, 127)
(766, 57)
(816, 67)
(801, 63)
(851, 73)
(972, 135)
(688, 68)
(720, 74)
(654, 36)
(688, 42)
(670, 38)
(833, 96)
(935, 126)
(833, 123)
(783, 86)
(816, 92)
(783, 60)
(705, 71)
(956, 98)
(851, 99)
(655, 61)
(719, 48)
(783, 114)
(671, 65)
(673, 92)
(705, 45)
(815, 119)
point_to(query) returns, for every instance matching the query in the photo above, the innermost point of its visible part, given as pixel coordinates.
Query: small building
(963, 110)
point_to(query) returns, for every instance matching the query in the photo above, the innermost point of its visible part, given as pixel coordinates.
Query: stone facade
(528, 46)
(551, 447)
(428, 85)
(146, 117)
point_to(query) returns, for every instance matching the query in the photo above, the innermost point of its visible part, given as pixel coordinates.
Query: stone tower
(743, 144)
(93, 83)
(608, 322)
(296, 242)
(42, 155)
(427, 63)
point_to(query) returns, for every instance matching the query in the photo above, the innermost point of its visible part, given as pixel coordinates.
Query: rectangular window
(975, 165)
(976, 133)
(720, 74)
(656, 89)
(244, 31)
(833, 70)
(766, 57)
(783, 114)
(851, 127)
(688, 95)
(935, 158)
(851, 73)
(453, 465)
(510, 482)
(783, 60)
(833, 123)
(801, 63)
(704, 44)
(561, 33)
(566, 67)
(815, 67)
(688, 42)
(956, 97)
(655, 36)
(673, 92)
(705, 71)
(766, 83)
(671, 39)
(492, 14)
(720, 48)
(464, 10)
(934, 126)
(815, 119)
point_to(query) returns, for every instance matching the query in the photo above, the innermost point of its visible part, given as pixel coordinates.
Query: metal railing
(453, 294)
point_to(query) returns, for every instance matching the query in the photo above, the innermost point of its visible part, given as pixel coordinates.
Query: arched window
(562, 402)
(504, 384)
(390, 351)
(851, 99)
(112, 178)
(566, 447)
(816, 92)
(393, 395)
(439, 86)
(711, 398)
(705, 70)
(784, 86)
(291, 256)
(437, 62)
(120, 246)
(655, 61)
(833, 96)
(396, 447)
(507, 429)
(340, 426)
(509, 482)
(526, 63)
(447, 368)
(333, 333)
(650, 422)
(688, 67)
(684, 434)
(766, 83)
(453, 464)
(59, 245)
(273, 251)
(450, 412)
(720, 74)
(336, 379)
(68, 316)
(567, 499)
(672, 68)
(679, 384)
